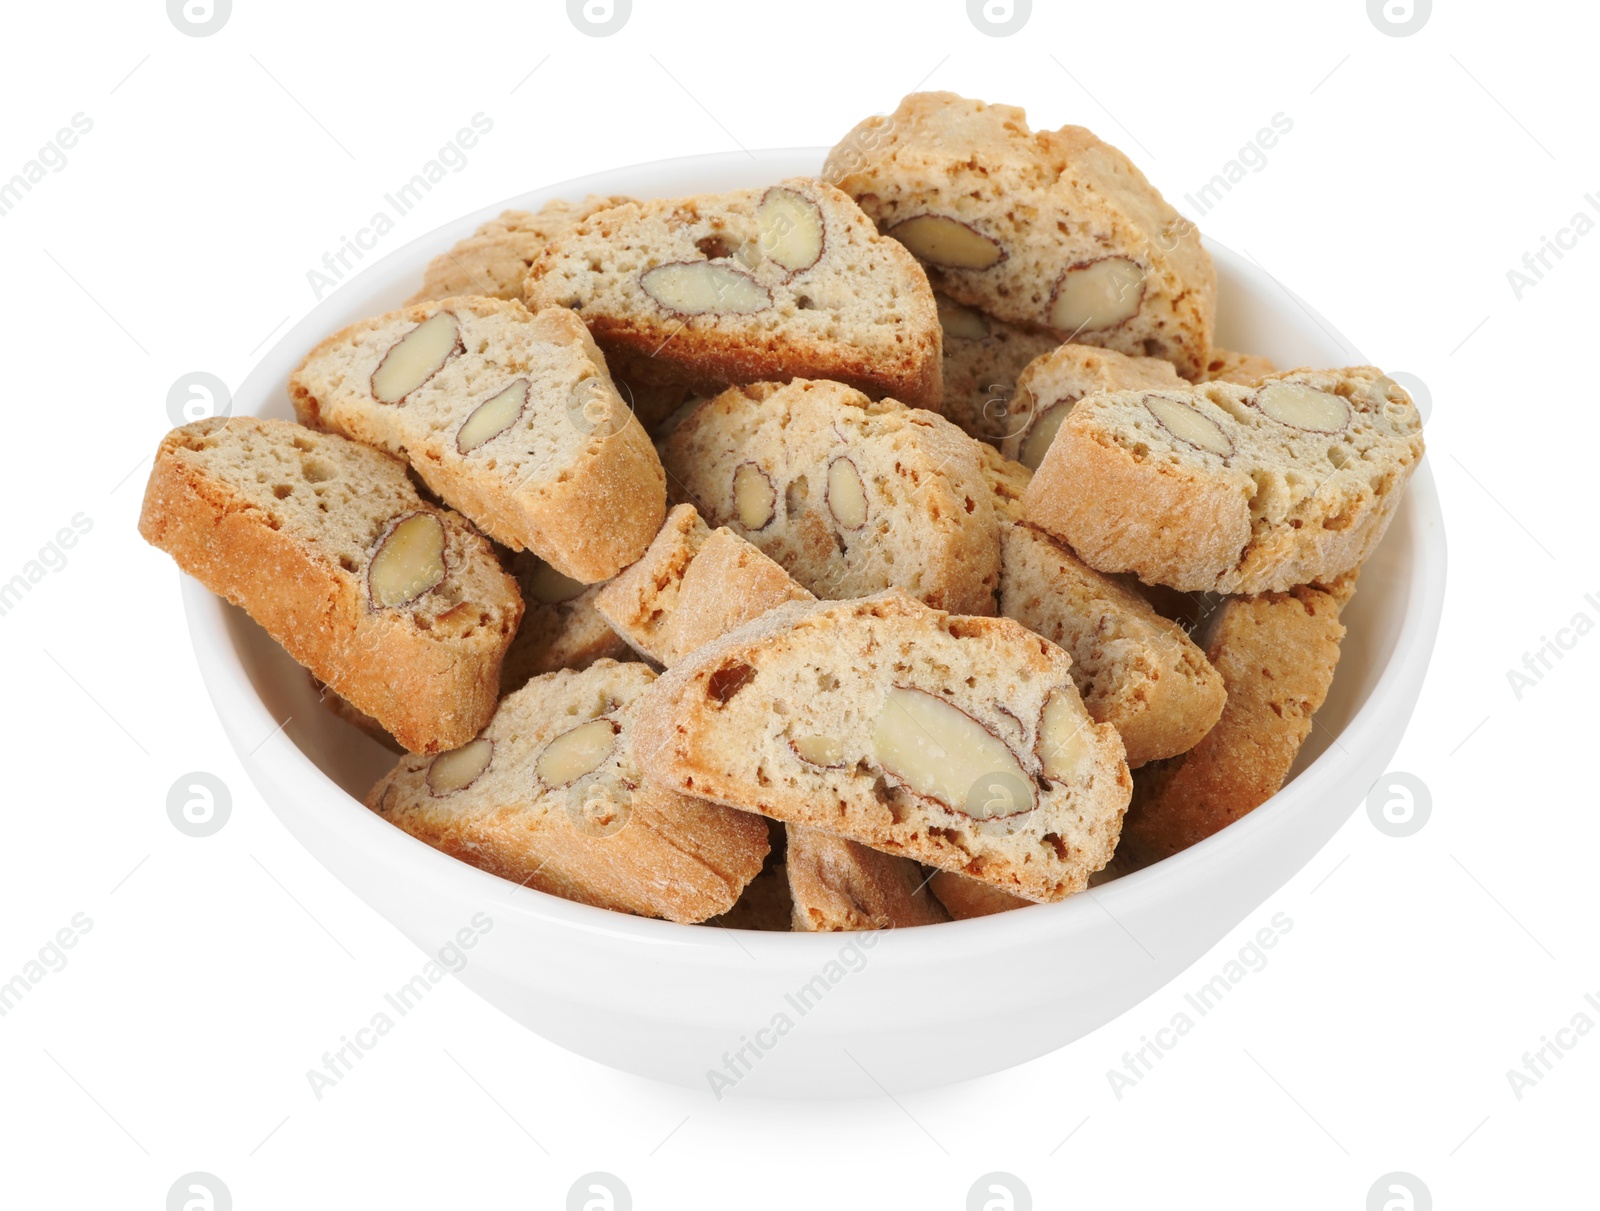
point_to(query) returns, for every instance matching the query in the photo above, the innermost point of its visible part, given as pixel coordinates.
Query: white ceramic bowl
(897, 1010)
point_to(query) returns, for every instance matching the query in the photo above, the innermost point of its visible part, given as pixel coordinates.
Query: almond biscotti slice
(1277, 653)
(1050, 385)
(494, 259)
(511, 418)
(849, 495)
(1135, 670)
(549, 796)
(838, 885)
(1054, 230)
(982, 358)
(957, 741)
(693, 585)
(400, 606)
(1246, 369)
(750, 286)
(561, 629)
(1231, 489)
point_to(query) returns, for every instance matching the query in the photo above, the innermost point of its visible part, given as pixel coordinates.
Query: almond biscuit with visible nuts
(400, 606)
(750, 286)
(959, 742)
(1053, 230)
(849, 495)
(549, 797)
(1230, 489)
(511, 418)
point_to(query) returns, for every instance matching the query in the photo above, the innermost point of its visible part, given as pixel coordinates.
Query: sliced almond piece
(492, 417)
(1043, 432)
(827, 751)
(416, 357)
(459, 768)
(705, 288)
(551, 587)
(942, 753)
(754, 498)
(1096, 295)
(408, 561)
(575, 753)
(961, 322)
(1303, 407)
(946, 242)
(1189, 424)
(846, 495)
(1063, 749)
(791, 229)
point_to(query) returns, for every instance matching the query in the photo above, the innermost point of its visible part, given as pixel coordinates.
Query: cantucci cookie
(511, 418)
(956, 741)
(1277, 653)
(1231, 489)
(1135, 669)
(550, 797)
(494, 259)
(982, 358)
(400, 606)
(1050, 385)
(837, 885)
(965, 898)
(1054, 230)
(693, 585)
(561, 629)
(850, 496)
(756, 285)
(1246, 369)
(360, 720)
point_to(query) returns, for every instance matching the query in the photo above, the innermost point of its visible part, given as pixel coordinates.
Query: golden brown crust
(1268, 506)
(431, 689)
(1277, 653)
(544, 490)
(710, 727)
(862, 314)
(1137, 671)
(659, 853)
(838, 885)
(1050, 200)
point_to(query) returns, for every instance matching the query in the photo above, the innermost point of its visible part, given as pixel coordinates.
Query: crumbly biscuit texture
(956, 741)
(550, 797)
(510, 417)
(1135, 669)
(693, 585)
(849, 495)
(1230, 489)
(750, 286)
(1054, 230)
(494, 259)
(1277, 653)
(1049, 386)
(397, 604)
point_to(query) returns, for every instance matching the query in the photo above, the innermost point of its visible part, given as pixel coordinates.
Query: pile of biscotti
(862, 551)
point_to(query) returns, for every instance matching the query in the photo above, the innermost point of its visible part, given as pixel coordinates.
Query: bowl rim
(318, 802)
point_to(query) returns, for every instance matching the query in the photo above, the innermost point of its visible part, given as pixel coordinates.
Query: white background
(177, 237)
